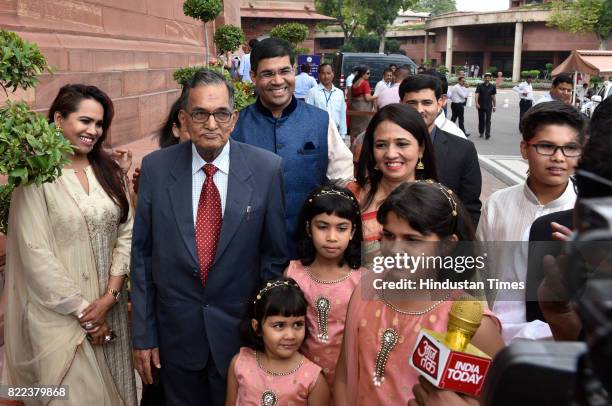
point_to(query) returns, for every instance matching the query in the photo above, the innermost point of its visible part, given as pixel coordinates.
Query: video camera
(568, 373)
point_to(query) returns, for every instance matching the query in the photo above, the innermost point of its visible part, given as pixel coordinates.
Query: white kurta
(507, 215)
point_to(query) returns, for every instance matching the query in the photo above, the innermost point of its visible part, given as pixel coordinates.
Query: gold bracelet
(114, 293)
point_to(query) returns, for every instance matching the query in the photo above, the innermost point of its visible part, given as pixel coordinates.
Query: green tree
(584, 16)
(349, 16)
(294, 33)
(204, 10)
(228, 39)
(380, 14)
(32, 150)
(436, 7)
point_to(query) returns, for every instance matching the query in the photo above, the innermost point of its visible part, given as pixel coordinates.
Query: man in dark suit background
(210, 226)
(456, 158)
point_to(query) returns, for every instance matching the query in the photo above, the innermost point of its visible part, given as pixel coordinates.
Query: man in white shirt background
(304, 82)
(561, 89)
(385, 82)
(459, 94)
(245, 63)
(525, 92)
(328, 97)
(349, 82)
(390, 94)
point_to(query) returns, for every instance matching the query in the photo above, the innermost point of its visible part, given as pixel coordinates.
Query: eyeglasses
(569, 151)
(202, 116)
(269, 74)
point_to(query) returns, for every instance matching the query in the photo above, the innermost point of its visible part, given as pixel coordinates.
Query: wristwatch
(114, 293)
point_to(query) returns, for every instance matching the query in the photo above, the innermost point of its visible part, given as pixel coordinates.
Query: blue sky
(482, 5)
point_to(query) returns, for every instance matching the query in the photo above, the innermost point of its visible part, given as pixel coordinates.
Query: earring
(419, 165)
(376, 167)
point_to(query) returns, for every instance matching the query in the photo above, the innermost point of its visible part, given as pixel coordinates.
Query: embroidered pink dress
(257, 387)
(367, 321)
(327, 306)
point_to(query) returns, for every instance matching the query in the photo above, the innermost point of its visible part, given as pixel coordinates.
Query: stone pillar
(449, 48)
(426, 51)
(486, 62)
(518, 50)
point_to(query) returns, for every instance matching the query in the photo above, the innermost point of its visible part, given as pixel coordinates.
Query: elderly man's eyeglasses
(570, 151)
(202, 116)
(269, 74)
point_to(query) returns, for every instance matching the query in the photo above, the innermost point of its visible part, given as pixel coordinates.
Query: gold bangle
(114, 293)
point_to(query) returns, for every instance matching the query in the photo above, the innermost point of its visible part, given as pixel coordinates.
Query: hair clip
(270, 286)
(448, 193)
(328, 192)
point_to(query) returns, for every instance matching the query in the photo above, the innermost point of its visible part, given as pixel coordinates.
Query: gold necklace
(267, 371)
(314, 278)
(412, 312)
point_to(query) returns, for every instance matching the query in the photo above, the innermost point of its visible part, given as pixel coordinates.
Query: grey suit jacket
(170, 307)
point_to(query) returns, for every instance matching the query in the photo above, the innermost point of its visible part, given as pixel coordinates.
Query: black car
(344, 62)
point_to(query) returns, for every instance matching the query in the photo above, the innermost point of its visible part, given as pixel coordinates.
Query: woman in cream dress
(68, 253)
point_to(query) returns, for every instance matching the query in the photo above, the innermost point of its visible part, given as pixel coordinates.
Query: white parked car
(589, 107)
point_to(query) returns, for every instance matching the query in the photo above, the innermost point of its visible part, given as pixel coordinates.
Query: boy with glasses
(553, 135)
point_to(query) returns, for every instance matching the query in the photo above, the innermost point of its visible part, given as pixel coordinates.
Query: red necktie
(208, 222)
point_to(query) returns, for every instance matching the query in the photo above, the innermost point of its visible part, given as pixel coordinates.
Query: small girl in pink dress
(382, 324)
(271, 372)
(329, 240)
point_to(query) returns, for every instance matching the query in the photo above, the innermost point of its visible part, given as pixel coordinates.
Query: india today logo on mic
(447, 369)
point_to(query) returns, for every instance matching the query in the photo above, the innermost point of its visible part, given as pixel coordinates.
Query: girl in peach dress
(271, 371)
(382, 326)
(329, 246)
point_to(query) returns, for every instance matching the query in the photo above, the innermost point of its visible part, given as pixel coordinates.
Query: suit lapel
(440, 150)
(238, 197)
(180, 198)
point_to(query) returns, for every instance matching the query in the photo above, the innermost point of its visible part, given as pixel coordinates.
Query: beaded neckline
(314, 278)
(273, 373)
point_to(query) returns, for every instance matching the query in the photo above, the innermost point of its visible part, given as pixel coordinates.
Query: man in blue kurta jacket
(303, 135)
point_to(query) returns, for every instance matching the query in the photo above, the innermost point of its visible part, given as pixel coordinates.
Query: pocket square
(309, 145)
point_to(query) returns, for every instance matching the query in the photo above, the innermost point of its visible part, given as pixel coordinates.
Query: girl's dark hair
(166, 135)
(105, 168)
(410, 120)
(329, 200)
(428, 210)
(361, 70)
(277, 297)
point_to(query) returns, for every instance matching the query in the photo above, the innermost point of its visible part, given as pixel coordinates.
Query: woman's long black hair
(105, 168)
(410, 120)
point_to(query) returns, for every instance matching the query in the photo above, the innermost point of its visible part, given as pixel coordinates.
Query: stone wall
(128, 48)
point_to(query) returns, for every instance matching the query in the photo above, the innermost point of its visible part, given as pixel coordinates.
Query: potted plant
(31, 149)
(228, 39)
(204, 10)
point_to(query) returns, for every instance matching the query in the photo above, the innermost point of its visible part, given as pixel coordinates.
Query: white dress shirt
(507, 215)
(459, 94)
(331, 101)
(523, 88)
(380, 86)
(546, 98)
(245, 68)
(445, 124)
(303, 83)
(220, 178)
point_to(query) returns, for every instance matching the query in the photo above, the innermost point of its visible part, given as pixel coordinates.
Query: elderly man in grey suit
(210, 226)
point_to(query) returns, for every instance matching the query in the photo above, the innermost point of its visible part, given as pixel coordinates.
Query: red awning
(285, 14)
(592, 62)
